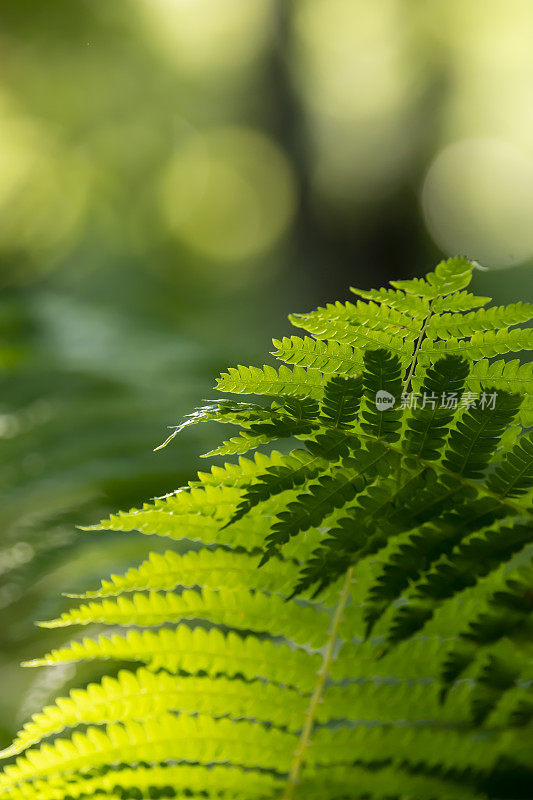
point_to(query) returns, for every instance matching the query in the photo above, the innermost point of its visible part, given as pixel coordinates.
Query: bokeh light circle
(477, 199)
(208, 37)
(228, 194)
(44, 190)
(350, 64)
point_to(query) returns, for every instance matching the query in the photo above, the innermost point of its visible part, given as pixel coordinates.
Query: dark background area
(176, 176)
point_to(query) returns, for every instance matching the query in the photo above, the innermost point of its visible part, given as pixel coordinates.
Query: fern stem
(419, 341)
(316, 697)
(409, 375)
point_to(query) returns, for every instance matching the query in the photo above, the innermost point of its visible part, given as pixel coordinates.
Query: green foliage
(353, 616)
(428, 426)
(77, 425)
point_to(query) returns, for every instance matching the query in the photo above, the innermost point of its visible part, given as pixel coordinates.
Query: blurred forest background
(176, 176)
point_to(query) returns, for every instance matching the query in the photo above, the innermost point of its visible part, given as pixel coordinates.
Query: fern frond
(361, 336)
(184, 738)
(238, 474)
(495, 677)
(458, 301)
(514, 474)
(341, 401)
(332, 491)
(506, 614)
(480, 345)
(513, 707)
(144, 694)
(235, 608)
(478, 432)
(244, 442)
(298, 420)
(217, 569)
(366, 528)
(428, 425)
(293, 417)
(416, 307)
(418, 745)
(410, 523)
(327, 357)
(513, 601)
(248, 440)
(476, 556)
(196, 651)
(458, 326)
(381, 381)
(253, 380)
(511, 375)
(454, 571)
(225, 411)
(178, 516)
(414, 661)
(184, 780)
(449, 276)
(508, 376)
(380, 779)
(413, 554)
(359, 320)
(299, 466)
